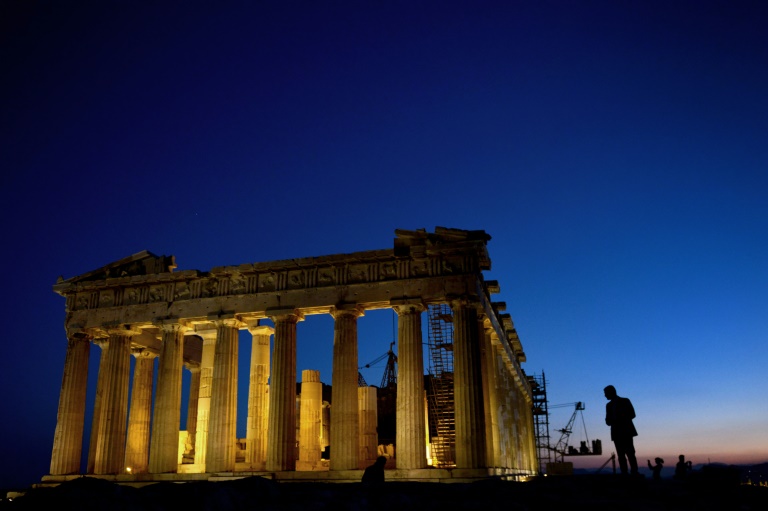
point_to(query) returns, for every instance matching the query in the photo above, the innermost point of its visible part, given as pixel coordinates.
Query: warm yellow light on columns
(204, 397)
(140, 413)
(222, 433)
(164, 449)
(310, 420)
(410, 424)
(281, 441)
(70, 422)
(344, 414)
(110, 446)
(258, 397)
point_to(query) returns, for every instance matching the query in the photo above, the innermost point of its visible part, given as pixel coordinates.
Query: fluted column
(310, 420)
(96, 420)
(281, 441)
(194, 397)
(409, 437)
(492, 371)
(110, 446)
(70, 421)
(164, 451)
(369, 438)
(470, 432)
(485, 369)
(509, 415)
(222, 434)
(344, 414)
(258, 397)
(204, 398)
(137, 438)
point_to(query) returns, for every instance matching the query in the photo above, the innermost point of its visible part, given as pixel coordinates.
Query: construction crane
(389, 379)
(562, 448)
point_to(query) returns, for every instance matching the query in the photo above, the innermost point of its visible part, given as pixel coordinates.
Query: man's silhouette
(682, 468)
(619, 413)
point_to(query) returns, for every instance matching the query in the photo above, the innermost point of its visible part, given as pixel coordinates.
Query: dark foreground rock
(254, 493)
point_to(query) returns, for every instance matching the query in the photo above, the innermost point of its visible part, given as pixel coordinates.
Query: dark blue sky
(615, 151)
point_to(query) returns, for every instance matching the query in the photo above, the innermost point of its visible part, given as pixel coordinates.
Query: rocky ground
(593, 492)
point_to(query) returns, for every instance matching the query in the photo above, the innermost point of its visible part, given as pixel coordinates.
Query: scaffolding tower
(538, 383)
(441, 408)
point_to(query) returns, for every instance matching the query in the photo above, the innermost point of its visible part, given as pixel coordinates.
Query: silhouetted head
(381, 460)
(681, 457)
(610, 392)
(659, 461)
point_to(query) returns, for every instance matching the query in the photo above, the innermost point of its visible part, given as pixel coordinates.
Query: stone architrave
(164, 450)
(68, 439)
(222, 435)
(369, 438)
(281, 441)
(344, 413)
(139, 415)
(110, 446)
(96, 420)
(258, 397)
(204, 397)
(467, 387)
(310, 421)
(411, 429)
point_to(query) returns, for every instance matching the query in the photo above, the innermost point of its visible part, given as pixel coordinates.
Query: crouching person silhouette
(619, 413)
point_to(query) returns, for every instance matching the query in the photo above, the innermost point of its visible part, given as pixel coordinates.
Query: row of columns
(485, 415)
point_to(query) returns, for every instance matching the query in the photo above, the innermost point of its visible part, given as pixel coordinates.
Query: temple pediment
(141, 263)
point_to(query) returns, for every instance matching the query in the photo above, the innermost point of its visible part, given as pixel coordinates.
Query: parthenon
(190, 320)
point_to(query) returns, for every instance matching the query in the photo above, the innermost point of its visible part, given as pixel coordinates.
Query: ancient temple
(190, 321)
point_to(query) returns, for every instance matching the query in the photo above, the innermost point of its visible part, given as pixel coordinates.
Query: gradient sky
(616, 152)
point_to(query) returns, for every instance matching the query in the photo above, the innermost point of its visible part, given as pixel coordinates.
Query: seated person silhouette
(375, 473)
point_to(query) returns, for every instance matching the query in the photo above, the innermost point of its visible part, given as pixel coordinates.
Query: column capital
(229, 322)
(192, 367)
(255, 329)
(143, 353)
(78, 333)
(407, 305)
(122, 330)
(464, 301)
(171, 325)
(288, 315)
(351, 309)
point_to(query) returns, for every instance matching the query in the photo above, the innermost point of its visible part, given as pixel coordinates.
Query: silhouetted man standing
(619, 413)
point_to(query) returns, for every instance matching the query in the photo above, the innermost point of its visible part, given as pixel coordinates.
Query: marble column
(164, 450)
(204, 396)
(96, 420)
(137, 438)
(310, 420)
(194, 397)
(344, 414)
(409, 414)
(281, 440)
(470, 432)
(369, 437)
(258, 397)
(110, 446)
(222, 434)
(494, 440)
(485, 368)
(70, 421)
(513, 451)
